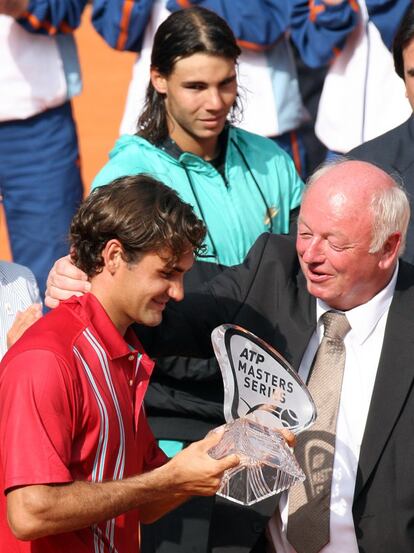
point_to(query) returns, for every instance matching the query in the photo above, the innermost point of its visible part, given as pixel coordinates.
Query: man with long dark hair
(272, 100)
(241, 184)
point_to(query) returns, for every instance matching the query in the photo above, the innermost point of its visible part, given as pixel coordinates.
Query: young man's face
(408, 58)
(199, 94)
(143, 289)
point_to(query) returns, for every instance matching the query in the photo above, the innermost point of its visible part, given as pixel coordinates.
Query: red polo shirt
(71, 393)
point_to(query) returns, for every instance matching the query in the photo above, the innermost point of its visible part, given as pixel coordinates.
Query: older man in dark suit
(352, 228)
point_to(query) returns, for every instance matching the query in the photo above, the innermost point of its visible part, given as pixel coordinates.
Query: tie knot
(335, 325)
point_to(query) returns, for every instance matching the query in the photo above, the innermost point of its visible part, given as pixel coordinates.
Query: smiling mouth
(211, 122)
(216, 119)
(316, 276)
(160, 304)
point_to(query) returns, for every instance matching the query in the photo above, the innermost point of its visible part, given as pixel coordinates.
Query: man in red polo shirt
(79, 465)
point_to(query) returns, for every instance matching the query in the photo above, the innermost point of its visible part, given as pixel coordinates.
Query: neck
(205, 148)
(103, 293)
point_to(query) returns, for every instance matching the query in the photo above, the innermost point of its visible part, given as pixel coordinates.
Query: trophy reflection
(262, 394)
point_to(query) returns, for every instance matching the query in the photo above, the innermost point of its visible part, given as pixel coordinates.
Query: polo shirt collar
(114, 343)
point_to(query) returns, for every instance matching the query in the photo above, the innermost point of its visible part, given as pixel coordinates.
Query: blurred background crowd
(315, 75)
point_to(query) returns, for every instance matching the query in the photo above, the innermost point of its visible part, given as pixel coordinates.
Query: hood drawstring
(268, 210)
(214, 254)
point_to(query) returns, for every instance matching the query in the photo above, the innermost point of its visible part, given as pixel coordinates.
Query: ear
(390, 250)
(113, 255)
(159, 81)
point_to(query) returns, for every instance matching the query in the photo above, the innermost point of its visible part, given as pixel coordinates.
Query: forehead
(332, 206)
(408, 55)
(353, 184)
(408, 46)
(203, 66)
(333, 211)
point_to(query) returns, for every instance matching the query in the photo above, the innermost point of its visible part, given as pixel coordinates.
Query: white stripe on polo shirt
(101, 354)
(99, 462)
(120, 462)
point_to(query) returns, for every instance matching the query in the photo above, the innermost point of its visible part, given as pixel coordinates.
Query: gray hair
(390, 207)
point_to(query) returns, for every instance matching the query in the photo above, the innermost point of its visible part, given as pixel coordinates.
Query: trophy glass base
(267, 465)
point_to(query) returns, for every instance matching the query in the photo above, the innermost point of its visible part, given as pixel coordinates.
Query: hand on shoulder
(65, 280)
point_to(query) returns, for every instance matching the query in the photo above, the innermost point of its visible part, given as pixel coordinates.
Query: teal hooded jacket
(259, 190)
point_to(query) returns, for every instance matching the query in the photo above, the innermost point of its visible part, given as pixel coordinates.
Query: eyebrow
(229, 79)
(333, 234)
(173, 267)
(224, 81)
(302, 222)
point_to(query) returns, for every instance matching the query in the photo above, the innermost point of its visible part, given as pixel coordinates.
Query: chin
(153, 321)
(319, 292)
(213, 131)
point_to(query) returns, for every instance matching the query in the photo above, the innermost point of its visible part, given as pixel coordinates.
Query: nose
(176, 291)
(312, 251)
(214, 101)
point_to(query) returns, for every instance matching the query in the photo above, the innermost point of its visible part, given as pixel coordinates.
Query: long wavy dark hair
(182, 34)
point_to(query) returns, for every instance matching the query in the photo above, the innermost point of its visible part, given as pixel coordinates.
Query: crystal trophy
(262, 393)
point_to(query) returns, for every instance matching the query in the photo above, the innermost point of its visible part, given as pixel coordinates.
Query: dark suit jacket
(394, 152)
(268, 296)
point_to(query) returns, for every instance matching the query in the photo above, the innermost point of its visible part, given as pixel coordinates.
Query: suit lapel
(394, 377)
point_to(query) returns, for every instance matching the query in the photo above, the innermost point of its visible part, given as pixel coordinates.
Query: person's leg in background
(41, 186)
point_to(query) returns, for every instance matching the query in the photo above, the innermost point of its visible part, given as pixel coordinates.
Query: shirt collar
(169, 146)
(364, 318)
(113, 342)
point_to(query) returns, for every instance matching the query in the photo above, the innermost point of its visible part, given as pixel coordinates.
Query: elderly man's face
(408, 57)
(334, 238)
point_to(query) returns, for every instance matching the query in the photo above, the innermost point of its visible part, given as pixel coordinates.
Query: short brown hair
(139, 211)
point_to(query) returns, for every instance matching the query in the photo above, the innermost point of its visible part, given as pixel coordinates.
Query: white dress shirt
(363, 345)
